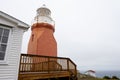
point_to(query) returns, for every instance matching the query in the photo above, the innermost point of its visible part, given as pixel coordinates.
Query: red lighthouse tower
(42, 41)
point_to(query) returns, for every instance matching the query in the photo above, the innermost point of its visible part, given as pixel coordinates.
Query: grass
(88, 78)
(93, 78)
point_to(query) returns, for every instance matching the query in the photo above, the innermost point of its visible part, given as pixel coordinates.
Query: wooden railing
(46, 64)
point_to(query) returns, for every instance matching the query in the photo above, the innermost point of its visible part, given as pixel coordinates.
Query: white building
(11, 32)
(90, 73)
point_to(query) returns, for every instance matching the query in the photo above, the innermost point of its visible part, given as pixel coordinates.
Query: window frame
(5, 61)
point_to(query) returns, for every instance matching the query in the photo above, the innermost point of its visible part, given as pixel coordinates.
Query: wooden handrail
(40, 63)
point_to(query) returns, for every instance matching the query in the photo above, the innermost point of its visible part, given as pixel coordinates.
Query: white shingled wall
(10, 70)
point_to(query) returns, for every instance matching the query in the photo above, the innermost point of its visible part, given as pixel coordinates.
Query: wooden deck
(36, 67)
(33, 76)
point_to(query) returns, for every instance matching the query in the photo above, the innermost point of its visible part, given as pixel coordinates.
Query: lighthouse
(42, 41)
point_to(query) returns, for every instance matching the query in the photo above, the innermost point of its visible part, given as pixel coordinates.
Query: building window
(4, 34)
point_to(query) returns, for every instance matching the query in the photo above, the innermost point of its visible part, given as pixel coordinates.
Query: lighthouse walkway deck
(38, 67)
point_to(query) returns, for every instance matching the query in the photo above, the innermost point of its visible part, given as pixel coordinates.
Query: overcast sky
(87, 31)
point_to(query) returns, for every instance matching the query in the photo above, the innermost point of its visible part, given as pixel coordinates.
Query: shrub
(115, 77)
(106, 77)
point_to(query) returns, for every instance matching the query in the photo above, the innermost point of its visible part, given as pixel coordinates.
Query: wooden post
(19, 65)
(67, 64)
(48, 64)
